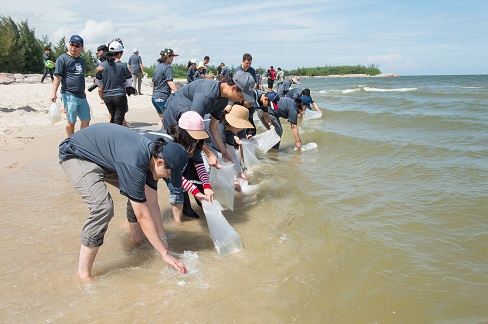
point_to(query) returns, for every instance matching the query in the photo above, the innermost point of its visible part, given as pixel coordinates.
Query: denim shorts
(159, 104)
(175, 196)
(75, 107)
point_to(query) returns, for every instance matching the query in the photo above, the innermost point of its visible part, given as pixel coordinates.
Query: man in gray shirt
(137, 70)
(70, 73)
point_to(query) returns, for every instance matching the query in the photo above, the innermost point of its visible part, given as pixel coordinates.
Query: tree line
(21, 52)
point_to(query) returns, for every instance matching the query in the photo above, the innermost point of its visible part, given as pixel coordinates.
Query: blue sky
(402, 37)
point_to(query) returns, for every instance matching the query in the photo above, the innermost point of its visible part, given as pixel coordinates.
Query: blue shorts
(75, 107)
(175, 195)
(159, 104)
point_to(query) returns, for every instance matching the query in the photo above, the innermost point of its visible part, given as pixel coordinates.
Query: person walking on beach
(70, 73)
(137, 69)
(109, 153)
(114, 79)
(163, 82)
(48, 64)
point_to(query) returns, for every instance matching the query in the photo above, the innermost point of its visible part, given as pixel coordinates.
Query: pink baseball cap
(193, 123)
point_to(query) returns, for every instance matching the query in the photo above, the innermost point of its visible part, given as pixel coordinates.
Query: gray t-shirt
(286, 109)
(225, 71)
(72, 71)
(284, 87)
(114, 75)
(116, 149)
(162, 74)
(250, 71)
(202, 96)
(134, 62)
(295, 93)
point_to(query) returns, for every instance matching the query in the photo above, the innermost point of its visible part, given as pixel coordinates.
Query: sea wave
(388, 90)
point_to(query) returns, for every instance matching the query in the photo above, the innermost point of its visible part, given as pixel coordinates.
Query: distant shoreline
(381, 75)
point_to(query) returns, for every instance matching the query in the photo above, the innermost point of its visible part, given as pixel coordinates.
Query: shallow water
(385, 221)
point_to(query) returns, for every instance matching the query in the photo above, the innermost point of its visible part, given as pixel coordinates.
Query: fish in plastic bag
(312, 114)
(222, 181)
(308, 147)
(54, 113)
(249, 153)
(265, 141)
(224, 236)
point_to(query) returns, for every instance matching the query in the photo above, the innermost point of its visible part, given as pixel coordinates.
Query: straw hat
(201, 66)
(238, 117)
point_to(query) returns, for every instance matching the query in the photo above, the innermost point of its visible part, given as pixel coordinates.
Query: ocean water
(386, 221)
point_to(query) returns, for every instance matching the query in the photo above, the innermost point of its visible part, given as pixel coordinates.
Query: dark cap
(306, 100)
(168, 52)
(174, 155)
(273, 98)
(76, 39)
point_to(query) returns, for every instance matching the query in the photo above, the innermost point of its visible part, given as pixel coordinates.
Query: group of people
(134, 162)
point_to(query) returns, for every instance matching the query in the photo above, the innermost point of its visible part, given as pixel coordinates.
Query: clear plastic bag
(54, 113)
(222, 181)
(246, 188)
(266, 140)
(249, 153)
(224, 236)
(312, 114)
(308, 147)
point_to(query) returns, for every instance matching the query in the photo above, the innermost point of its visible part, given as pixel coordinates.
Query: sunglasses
(74, 45)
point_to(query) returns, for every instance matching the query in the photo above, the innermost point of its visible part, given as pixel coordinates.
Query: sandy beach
(27, 134)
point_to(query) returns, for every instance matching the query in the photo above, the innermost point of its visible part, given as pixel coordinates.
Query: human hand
(200, 196)
(209, 193)
(53, 98)
(175, 263)
(227, 157)
(242, 176)
(213, 161)
(298, 144)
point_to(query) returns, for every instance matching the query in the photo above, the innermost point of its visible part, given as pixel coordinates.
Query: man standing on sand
(70, 73)
(271, 78)
(135, 67)
(109, 153)
(246, 67)
(280, 77)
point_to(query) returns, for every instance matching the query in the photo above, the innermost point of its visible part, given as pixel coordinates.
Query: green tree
(30, 50)
(59, 48)
(9, 35)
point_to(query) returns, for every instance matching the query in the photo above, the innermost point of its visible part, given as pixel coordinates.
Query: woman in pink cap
(190, 133)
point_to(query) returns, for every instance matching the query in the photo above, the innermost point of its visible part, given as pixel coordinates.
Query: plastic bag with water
(265, 141)
(222, 181)
(249, 153)
(246, 188)
(312, 114)
(54, 113)
(308, 147)
(224, 236)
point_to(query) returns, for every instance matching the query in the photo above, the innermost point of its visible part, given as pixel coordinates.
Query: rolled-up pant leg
(88, 180)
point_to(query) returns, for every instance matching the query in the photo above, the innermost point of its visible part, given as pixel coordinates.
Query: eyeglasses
(74, 45)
